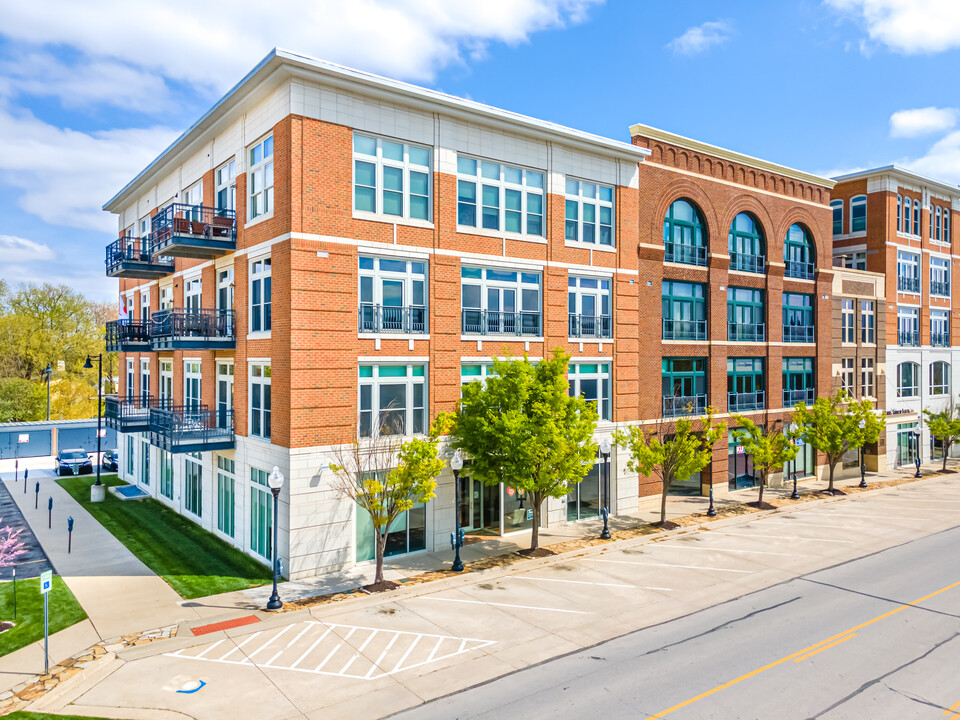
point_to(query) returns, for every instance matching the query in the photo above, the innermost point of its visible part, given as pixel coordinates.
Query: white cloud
(15, 249)
(907, 26)
(922, 121)
(91, 283)
(942, 160)
(702, 37)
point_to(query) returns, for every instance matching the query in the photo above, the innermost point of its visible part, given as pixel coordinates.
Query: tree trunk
(830, 486)
(763, 481)
(946, 451)
(381, 547)
(663, 502)
(535, 535)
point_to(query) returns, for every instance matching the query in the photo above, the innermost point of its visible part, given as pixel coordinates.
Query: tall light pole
(916, 435)
(275, 482)
(605, 449)
(88, 365)
(47, 372)
(456, 464)
(863, 465)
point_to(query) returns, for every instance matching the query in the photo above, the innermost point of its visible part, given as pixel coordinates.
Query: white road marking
(779, 537)
(268, 643)
(387, 649)
(688, 567)
(584, 582)
(218, 642)
(716, 549)
(310, 649)
(327, 658)
(506, 605)
(892, 516)
(406, 654)
(359, 652)
(252, 637)
(894, 506)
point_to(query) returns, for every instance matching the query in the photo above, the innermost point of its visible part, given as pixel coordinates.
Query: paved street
(34, 561)
(717, 605)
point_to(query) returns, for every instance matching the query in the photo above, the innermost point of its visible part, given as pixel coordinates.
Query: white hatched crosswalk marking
(327, 649)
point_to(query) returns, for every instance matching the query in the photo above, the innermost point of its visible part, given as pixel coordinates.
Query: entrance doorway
(493, 509)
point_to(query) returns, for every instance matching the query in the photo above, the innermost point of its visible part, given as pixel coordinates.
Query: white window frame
(144, 478)
(944, 388)
(836, 205)
(581, 194)
(940, 271)
(902, 389)
(131, 384)
(193, 195)
(527, 187)
(144, 377)
(604, 382)
(261, 269)
(846, 375)
(909, 261)
(946, 225)
(192, 370)
(144, 226)
(866, 378)
(407, 167)
(188, 460)
(226, 469)
(165, 388)
(193, 293)
(225, 181)
(518, 286)
(409, 381)
(847, 322)
(144, 304)
(868, 331)
(916, 218)
(939, 236)
(939, 323)
(260, 179)
(602, 292)
(165, 465)
(899, 213)
(377, 275)
(857, 201)
(261, 376)
(166, 298)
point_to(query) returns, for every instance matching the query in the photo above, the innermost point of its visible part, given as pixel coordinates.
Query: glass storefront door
(584, 499)
(479, 506)
(906, 444)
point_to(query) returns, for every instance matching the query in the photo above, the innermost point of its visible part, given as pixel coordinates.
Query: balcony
(797, 269)
(130, 413)
(588, 326)
(908, 284)
(940, 288)
(747, 262)
(191, 428)
(798, 333)
(908, 338)
(940, 339)
(128, 335)
(489, 322)
(746, 332)
(130, 257)
(740, 402)
(803, 395)
(678, 405)
(693, 330)
(193, 231)
(686, 254)
(188, 329)
(384, 319)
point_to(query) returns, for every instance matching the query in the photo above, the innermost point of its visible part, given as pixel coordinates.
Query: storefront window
(584, 498)
(740, 472)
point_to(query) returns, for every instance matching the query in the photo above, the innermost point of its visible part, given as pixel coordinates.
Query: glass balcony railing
(803, 395)
(908, 284)
(747, 262)
(746, 332)
(743, 401)
(798, 333)
(798, 269)
(685, 254)
(940, 288)
(693, 330)
(678, 405)
(908, 338)
(940, 339)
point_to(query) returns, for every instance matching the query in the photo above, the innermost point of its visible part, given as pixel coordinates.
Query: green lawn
(64, 612)
(193, 561)
(20, 715)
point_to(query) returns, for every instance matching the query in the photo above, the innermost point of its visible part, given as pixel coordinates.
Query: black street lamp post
(275, 482)
(863, 464)
(916, 437)
(605, 449)
(456, 464)
(47, 372)
(96, 495)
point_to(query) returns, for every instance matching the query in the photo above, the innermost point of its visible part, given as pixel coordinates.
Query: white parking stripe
(218, 642)
(434, 651)
(253, 636)
(688, 567)
(894, 506)
(330, 655)
(376, 665)
(892, 516)
(779, 537)
(268, 643)
(506, 605)
(310, 649)
(406, 654)
(583, 582)
(716, 549)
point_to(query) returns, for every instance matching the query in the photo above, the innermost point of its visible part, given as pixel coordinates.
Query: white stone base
(98, 493)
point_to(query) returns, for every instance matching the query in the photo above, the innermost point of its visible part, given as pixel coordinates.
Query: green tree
(945, 426)
(832, 426)
(671, 457)
(771, 450)
(386, 476)
(524, 429)
(22, 400)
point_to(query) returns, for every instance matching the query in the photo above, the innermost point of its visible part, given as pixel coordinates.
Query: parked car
(73, 462)
(111, 460)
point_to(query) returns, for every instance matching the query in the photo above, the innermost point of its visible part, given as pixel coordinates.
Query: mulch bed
(380, 587)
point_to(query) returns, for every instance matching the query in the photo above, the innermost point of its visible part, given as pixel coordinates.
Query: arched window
(916, 218)
(746, 244)
(858, 214)
(899, 213)
(939, 224)
(946, 224)
(837, 206)
(684, 234)
(798, 253)
(939, 378)
(908, 380)
(907, 214)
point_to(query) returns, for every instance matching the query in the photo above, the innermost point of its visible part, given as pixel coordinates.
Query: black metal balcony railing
(908, 338)
(193, 329)
(747, 262)
(908, 284)
(383, 319)
(193, 231)
(940, 287)
(940, 339)
(128, 335)
(740, 402)
(686, 254)
(131, 257)
(803, 395)
(677, 405)
(130, 413)
(798, 333)
(746, 332)
(684, 329)
(489, 322)
(590, 326)
(798, 269)
(191, 428)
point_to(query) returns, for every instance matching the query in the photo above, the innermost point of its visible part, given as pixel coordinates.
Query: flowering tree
(11, 546)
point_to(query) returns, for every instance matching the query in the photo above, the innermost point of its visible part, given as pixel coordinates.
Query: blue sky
(90, 92)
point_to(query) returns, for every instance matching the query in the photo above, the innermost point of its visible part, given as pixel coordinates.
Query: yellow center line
(825, 647)
(951, 709)
(775, 663)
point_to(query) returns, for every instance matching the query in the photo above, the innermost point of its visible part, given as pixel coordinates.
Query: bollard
(50, 514)
(69, 533)
(36, 500)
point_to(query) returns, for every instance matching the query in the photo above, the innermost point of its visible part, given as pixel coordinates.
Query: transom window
(392, 295)
(837, 207)
(908, 380)
(798, 253)
(592, 381)
(501, 302)
(260, 401)
(746, 244)
(684, 311)
(392, 400)
(588, 213)
(391, 178)
(939, 378)
(684, 234)
(261, 178)
(498, 197)
(261, 295)
(858, 214)
(588, 307)
(867, 322)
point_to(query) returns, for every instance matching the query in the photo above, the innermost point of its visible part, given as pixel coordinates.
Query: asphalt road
(876, 637)
(34, 561)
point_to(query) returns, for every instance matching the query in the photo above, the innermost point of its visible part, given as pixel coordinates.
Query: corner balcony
(188, 329)
(747, 262)
(797, 269)
(490, 322)
(130, 413)
(746, 332)
(743, 401)
(128, 335)
(679, 405)
(803, 395)
(191, 428)
(908, 338)
(588, 326)
(798, 333)
(130, 257)
(193, 231)
(693, 330)
(386, 319)
(685, 254)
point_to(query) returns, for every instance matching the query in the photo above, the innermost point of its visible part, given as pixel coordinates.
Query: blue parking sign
(46, 581)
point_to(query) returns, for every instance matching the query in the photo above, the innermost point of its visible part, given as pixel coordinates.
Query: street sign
(46, 581)
(23, 437)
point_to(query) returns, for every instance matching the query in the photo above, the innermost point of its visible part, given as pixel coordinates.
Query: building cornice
(904, 177)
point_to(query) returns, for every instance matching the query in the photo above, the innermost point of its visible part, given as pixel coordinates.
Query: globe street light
(605, 450)
(275, 482)
(863, 464)
(456, 464)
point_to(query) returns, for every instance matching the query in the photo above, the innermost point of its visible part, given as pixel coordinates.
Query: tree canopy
(770, 450)
(945, 426)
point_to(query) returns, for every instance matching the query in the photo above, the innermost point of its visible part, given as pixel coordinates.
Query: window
(746, 244)
(907, 215)
(589, 213)
(846, 375)
(191, 383)
(588, 307)
(260, 178)
(939, 277)
(166, 380)
(261, 515)
(908, 326)
(166, 474)
(851, 260)
(745, 319)
(225, 495)
(684, 386)
(226, 183)
(940, 328)
(866, 378)
(508, 199)
(939, 235)
(193, 484)
(899, 213)
(684, 311)
(797, 317)
(798, 253)
(798, 381)
(916, 217)
(391, 178)
(592, 382)
(192, 294)
(867, 322)
(145, 462)
(392, 295)
(939, 378)
(408, 533)
(684, 234)
(144, 378)
(130, 386)
(837, 206)
(260, 295)
(500, 302)
(858, 214)
(475, 372)
(392, 400)
(144, 227)
(745, 384)
(260, 401)
(584, 498)
(846, 321)
(908, 272)
(946, 225)
(908, 380)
